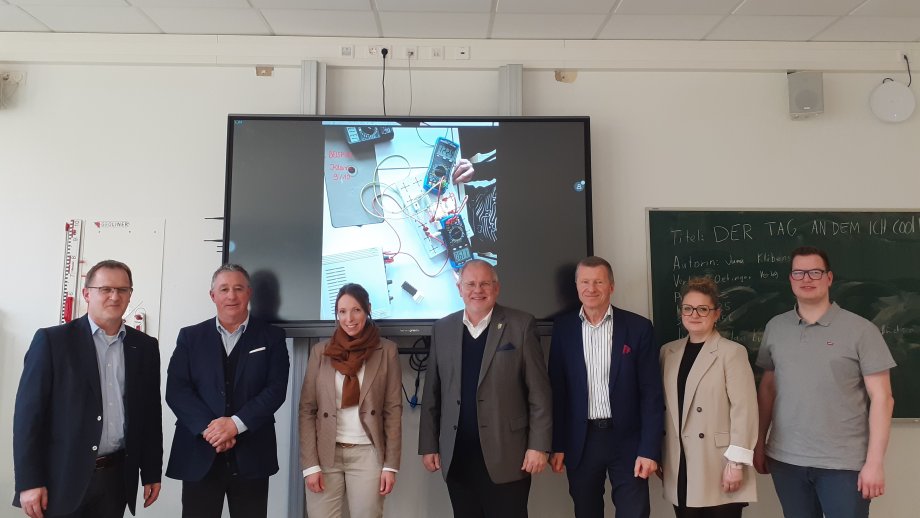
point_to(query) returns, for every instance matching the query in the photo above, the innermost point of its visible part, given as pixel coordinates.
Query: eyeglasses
(812, 274)
(108, 290)
(703, 311)
(483, 285)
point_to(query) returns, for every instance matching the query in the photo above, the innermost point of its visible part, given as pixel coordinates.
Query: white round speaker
(892, 101)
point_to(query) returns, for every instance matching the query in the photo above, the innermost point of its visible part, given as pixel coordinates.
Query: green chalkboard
(875, 257)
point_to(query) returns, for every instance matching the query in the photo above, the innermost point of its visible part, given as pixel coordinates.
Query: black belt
(107, 461)
(601, 423)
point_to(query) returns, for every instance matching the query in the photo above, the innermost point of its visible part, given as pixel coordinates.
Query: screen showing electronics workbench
(398, 205)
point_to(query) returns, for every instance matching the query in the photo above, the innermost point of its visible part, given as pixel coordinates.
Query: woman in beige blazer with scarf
(351, 415)
(711, 413)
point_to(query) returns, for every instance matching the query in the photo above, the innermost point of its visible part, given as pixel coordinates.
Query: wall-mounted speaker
(806, 94)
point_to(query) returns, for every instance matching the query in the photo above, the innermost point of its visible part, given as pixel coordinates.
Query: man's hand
(432, 461)
(34, 501)
(463, 172)
(387, 481)
(557, 462)
(151, 493)
(226, 445)
(644, 467)
(220, 430)
(534, 462)
(760, 459)
(315, 483)
(732, 477)
(871, 481)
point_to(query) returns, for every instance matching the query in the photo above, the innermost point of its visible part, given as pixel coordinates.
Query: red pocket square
(626, 349)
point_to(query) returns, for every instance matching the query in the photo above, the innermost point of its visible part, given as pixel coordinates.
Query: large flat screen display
(398, 205)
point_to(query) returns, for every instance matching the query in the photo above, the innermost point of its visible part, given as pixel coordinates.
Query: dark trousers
(608, 455)
(205, 498)
(815, 492)
(105, 497)
(716, 511)
(474, 495)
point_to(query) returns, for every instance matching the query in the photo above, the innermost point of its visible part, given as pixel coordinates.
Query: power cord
(909, 78)
(383, 81)
(418, 362)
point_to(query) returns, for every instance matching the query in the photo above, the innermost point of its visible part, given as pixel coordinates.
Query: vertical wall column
(510, 86)
(302, 346)
(313, 88)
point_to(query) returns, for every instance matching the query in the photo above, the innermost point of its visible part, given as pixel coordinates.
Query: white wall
(144, 136)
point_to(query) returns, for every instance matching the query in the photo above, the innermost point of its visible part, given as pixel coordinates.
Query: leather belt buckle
(601, 423)
(107, 461)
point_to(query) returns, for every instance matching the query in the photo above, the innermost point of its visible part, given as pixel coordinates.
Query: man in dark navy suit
(88, 413)
(226, 379)
(608, 417)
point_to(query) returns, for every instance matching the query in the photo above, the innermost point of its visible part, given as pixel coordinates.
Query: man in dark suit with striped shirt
(607, 395)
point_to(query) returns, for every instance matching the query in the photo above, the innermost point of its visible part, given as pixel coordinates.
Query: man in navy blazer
(88, 413)
(226, 379)
(607, 396)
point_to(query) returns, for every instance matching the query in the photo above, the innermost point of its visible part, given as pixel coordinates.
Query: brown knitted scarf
(348, 355)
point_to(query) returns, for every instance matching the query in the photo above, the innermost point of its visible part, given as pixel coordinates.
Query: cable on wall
(383, 81)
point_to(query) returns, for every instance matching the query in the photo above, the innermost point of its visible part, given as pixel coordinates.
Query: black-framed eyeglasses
(703, 311)
(814, 275)
(108, 290)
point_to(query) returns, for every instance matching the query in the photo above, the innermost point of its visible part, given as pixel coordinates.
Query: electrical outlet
(371, 51)
(347, 51)
(431, 52)
(459, 52)
(408, 52)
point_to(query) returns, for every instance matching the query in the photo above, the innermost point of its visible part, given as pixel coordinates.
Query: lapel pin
(499, 325)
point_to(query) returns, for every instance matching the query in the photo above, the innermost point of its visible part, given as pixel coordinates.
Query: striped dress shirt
(598, 340)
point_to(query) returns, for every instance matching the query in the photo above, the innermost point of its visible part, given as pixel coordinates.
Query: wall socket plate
(410, 52)
(376, 51)
(431, 52)
(458, 52)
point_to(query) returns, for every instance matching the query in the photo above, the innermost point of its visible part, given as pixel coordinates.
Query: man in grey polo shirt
(827, 391)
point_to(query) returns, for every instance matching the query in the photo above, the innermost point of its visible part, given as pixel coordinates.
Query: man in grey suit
(487, 407)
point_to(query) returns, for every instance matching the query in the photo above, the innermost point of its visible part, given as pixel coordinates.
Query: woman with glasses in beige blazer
(711, 413)
(351, 415)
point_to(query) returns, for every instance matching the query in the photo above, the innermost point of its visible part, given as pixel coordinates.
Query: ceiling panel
(321, 5)
(872, 28)
(14, 19)
(93, 19)
(889, 8)
(201, 20)
(677, 6)
(798, 7)
(72, 3)
(191, 3)
(433, 25)
(301, 22)
(435, 6)
(556, 6)
(770, 28)
(662, 27)
(546, 26)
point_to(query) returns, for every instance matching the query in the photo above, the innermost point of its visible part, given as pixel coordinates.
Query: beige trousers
(354, 477)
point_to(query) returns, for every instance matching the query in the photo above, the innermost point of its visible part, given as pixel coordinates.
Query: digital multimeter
(443, 157)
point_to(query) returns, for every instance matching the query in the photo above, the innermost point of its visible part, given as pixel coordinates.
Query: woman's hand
(387, 481)
(315, 483)
(732, 476)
